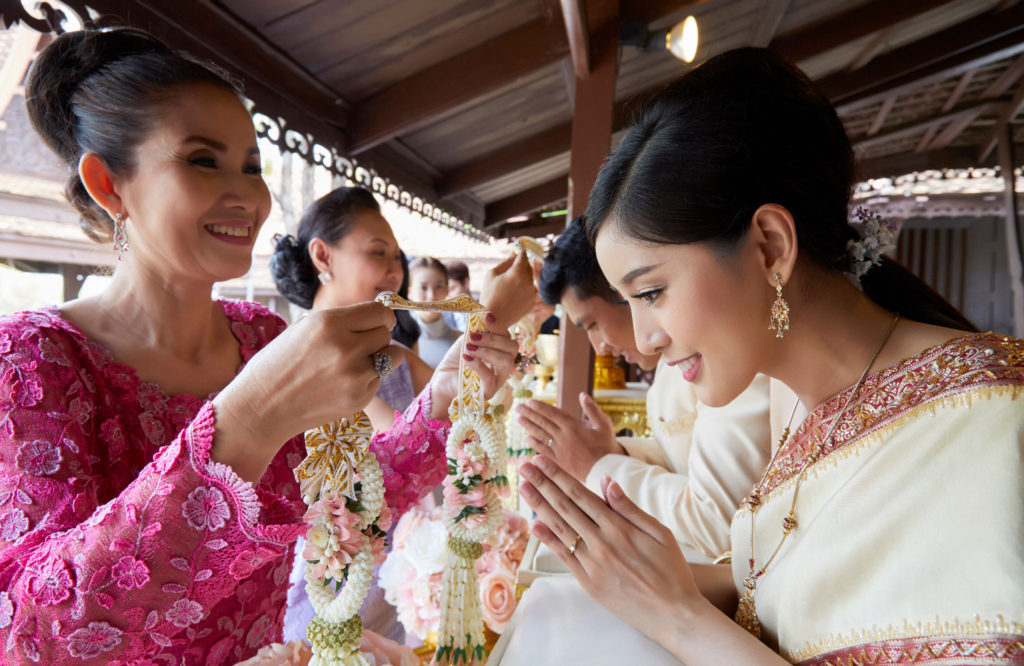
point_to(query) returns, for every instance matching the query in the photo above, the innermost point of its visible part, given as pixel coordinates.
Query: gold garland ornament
(342, 484)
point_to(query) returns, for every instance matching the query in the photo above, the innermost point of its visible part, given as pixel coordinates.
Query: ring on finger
(382, 364)
(575, 542)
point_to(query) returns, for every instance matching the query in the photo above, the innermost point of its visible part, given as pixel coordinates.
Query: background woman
(428, 281)
(730, 191)
(344, 252)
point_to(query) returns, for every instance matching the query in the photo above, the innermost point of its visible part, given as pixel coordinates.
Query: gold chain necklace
(746, 612)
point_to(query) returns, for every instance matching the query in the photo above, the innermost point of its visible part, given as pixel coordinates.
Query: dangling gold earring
(779, 319)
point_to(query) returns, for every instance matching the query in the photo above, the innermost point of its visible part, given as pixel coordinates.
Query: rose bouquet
(411, 574)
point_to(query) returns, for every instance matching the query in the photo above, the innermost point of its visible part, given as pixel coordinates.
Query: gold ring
(575, 542)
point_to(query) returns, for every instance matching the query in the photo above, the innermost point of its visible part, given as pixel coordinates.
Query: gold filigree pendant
(746, 612)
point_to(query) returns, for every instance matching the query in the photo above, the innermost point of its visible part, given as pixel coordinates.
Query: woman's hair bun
(62, 67)
(293, 271)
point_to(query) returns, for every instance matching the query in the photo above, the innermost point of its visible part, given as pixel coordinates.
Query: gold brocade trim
(981, 364)
(868, 641)
(854, 447)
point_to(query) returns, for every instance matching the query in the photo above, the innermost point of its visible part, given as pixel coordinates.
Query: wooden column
(1015, 252)
(591, 141)
(72, 283)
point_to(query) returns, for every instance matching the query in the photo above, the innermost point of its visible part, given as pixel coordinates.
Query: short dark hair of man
(458, 271)
(571, 262)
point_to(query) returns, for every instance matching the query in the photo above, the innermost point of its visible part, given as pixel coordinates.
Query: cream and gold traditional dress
(909, 545)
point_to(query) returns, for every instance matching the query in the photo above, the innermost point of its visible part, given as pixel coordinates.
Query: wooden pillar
(73, 275)
(1014, 249)
(591, 141)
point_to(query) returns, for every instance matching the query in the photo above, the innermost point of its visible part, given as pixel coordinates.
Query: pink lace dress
(121, 542)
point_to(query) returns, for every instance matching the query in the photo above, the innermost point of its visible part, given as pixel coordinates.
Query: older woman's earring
(324, 277)
(120, 236)
(779, 319)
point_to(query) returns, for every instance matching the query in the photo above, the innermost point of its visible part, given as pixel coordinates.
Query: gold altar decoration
(608, 374)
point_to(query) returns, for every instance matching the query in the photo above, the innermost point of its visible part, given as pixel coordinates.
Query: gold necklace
(746, 612)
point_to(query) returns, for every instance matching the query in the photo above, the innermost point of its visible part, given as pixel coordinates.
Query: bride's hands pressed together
(625, 559)
(632, 565)
(490, 354)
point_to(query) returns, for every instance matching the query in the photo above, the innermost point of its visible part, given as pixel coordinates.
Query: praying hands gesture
(631, 564)
(574, 444)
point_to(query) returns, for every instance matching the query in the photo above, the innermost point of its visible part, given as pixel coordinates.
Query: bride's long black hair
(744, 129)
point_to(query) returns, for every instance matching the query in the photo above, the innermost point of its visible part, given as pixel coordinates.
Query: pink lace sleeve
(130, 577)
(411, 455)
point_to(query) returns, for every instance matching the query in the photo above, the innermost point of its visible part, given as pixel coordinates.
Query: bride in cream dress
(888, 528)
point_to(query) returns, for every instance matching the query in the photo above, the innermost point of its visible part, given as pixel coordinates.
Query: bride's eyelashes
(648, 297)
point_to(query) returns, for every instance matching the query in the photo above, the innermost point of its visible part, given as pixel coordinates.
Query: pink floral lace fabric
(121, 542)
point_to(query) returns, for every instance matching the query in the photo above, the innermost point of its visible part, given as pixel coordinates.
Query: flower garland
(477, 459)
(411, 575)
(471, 499)
(341, 482)
(525, 333)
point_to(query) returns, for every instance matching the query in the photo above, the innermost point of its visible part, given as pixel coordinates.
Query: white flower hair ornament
(877, 237)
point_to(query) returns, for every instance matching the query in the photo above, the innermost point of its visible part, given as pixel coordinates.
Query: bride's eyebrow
(637, 272)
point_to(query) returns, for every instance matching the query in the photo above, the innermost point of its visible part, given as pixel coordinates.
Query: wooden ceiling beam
(278, 84)
(532, 150)
(980, 41)
(574, 12)
(650, 11)
(768, 21)
(926, 140)
(881, 116)
(954, 129)
(535, 228)
(888, 166)
(441, 89)
(1007, 79)
(1005, 118)
(536, 197)
(937, 121)
(958, 92)
(861, 21)
(519, 155)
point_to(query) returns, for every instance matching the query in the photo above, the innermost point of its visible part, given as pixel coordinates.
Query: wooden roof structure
(464, 108)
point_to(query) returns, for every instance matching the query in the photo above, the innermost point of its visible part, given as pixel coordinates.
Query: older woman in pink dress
(148, 509)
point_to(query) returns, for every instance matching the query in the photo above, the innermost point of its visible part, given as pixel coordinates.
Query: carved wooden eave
(305, 129)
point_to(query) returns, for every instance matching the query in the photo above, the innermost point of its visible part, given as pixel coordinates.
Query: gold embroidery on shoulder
(974, 364)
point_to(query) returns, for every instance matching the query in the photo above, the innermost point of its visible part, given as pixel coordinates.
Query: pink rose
(384, 520)
(386, 651)
(498, 598)
(466, 467)
(377, 549)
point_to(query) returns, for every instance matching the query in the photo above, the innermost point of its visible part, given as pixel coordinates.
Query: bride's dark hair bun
(97, 91)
